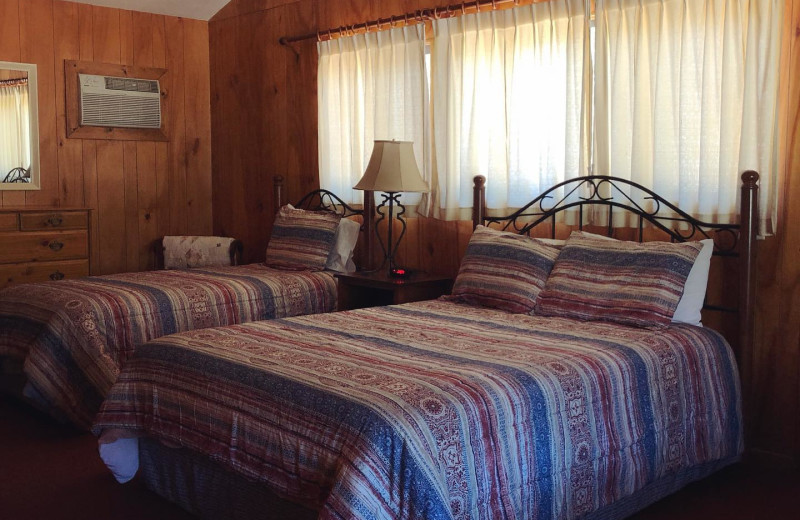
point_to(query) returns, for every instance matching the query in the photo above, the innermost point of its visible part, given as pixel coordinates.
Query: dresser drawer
(43, 246)
(9, 222)
(42, 271)
(30, 221)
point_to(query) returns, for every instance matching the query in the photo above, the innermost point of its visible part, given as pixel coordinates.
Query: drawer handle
(55, 220)
(58, 275)
(55, 245)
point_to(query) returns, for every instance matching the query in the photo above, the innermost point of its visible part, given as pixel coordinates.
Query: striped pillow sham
(301, 239)
(503, 270)
(625, 282)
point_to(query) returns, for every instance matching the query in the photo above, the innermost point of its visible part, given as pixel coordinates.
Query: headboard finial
(749, 179)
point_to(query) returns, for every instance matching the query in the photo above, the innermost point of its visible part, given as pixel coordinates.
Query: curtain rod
(411, 18)
(13, 82)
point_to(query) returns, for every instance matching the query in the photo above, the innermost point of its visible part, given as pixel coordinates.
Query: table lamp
(392, 169)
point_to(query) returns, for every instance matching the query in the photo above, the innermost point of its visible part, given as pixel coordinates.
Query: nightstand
(357, 290)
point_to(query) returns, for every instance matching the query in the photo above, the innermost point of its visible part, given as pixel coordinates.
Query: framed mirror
(19, 127)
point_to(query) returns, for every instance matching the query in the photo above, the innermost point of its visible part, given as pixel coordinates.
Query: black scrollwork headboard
(616, 195)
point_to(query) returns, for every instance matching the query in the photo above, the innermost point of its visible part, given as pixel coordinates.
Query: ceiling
(197, 9)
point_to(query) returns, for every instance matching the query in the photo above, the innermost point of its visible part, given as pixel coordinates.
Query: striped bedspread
(436, 410)
(74, 335)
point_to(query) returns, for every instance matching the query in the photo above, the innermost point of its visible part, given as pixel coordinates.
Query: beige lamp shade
(392, 168)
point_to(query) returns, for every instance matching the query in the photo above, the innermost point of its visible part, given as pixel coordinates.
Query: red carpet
(52, 472)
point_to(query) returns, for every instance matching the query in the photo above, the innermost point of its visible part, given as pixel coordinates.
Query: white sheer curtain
(511, 100)
(370, 86)
(14, 127)
(686, 98)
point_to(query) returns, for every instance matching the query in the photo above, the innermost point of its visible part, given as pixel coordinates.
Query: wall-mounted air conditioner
(120, 102)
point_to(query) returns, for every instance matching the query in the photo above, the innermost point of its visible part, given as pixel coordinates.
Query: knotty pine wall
(138, 191)
(264, 123)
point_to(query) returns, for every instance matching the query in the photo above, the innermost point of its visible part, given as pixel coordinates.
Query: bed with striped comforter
(72, 336)
(436, 410)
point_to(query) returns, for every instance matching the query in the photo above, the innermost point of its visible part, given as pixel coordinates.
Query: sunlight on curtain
(15, 150)
(370, 86)
(686, 99)
(511, 101)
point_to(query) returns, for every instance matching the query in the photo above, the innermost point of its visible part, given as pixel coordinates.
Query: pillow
(341, 256)
(503, 270)
(625, 282)
(301, 239)
(183, 252)
(694, 292)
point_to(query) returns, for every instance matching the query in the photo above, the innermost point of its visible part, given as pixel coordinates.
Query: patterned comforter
(438, 410)
(74, 335)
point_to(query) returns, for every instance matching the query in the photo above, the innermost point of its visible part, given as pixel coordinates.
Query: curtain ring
(463, 8)
(494, 5)
(319, 37)
(330, 37)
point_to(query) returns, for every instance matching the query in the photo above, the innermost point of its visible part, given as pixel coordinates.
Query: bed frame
(315, 200)
(620, 195)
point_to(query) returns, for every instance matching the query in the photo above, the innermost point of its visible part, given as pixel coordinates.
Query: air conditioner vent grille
(132, 85)
(105, 110)
(120, 102)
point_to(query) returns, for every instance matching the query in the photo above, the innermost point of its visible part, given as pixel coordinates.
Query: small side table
(358, 290)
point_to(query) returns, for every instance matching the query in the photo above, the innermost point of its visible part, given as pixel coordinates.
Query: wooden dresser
(43, 244)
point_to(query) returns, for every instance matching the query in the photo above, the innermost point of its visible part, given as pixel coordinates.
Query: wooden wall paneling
(792, 217)
(106, 34)
(243, 7)
(347, 12)
(127, 46)
(198, 127)
(409, 248)
(266, 121)
(147, 199)
(240, 115)
(111, 207)
(146, 178)
(36, 18)
(91, 200)
(10, 51)
(776, 388)
(131, 205)
(86, 32)
(89, 148)
(228, 169)
(70, 151)
(162, 148)
(163, 190)
(9, 36)
(105, 176)
(176, 147)
(301, 98)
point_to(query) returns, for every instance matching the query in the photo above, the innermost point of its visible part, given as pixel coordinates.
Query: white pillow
(341, 256)
(694, 291)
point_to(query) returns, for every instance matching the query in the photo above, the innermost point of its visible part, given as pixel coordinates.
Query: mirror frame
(33, 105)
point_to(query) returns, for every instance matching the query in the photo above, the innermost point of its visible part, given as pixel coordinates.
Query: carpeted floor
(52, 472)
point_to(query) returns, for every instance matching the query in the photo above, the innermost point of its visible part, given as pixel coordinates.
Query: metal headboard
(612, 193)
(324, 200)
